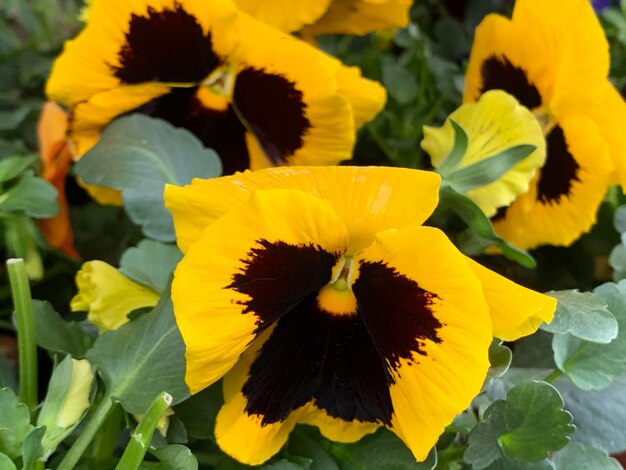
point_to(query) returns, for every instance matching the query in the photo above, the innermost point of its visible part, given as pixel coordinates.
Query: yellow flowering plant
(313, 235)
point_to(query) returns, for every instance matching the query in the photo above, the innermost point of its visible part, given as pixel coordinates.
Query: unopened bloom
(321, 299)
(257, 96)
(329, 16)
(494, 124)
(554, 58)
(108, 296)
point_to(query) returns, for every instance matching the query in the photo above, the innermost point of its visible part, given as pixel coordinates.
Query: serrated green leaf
(619, 219)
(12, 167)
(36, 197)
(593, 366)
(382, 450)
(526, 426)
(143, 358)
(510, 464)
(151, 263)
(14, 423)
(57, 335)
(617, 260)
(138, 155)
(583, 315)
(577, 456)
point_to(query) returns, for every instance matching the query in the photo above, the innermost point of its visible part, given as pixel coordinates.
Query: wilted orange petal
(56, 158)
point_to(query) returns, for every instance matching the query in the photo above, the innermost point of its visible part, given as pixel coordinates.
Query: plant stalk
(140, 439)
(26, 343)
(86, 436)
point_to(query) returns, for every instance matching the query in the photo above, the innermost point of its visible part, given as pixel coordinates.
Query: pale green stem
(27, 346)
(140, 439)
(555, 374)
(75, 452)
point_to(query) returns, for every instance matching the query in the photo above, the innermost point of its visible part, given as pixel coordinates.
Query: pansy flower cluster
(306, 289)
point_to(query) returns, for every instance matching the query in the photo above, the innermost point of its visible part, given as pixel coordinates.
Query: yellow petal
(367, 199)
(515, 311)
(366, 97)
(361, 17)
(430, 388)
(242, 435)
(564, 197)
(108, 296)
(285, 15)
(212, 312)
(333, 428)
(495, 123)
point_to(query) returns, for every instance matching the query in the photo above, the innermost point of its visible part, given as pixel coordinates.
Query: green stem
(140, 439)
(104, 443)
(27, 346)
(86, 436)
(555, 374)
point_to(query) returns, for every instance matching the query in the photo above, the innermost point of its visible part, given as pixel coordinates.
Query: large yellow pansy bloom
(553, 57)
(258, 96)
(329, 16)
(321, 299)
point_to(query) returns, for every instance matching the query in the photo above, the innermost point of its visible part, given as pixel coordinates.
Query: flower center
(216, 90)
(336, 297)
(545, 119)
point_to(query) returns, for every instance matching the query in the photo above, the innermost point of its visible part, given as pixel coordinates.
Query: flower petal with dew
(56, 159)
(493, 124)
(258, 96)
(554, 58)
(320, 298)
(108, 296)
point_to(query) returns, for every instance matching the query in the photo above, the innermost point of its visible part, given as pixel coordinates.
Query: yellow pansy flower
(258, 96)
(108, 296)
(554, 58)
(494, 124)
(321, 299)
(315, 17)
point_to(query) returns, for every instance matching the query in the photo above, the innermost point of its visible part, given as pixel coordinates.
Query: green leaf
(30, 194)
(8, 378)
(488, 170)
(12, 167)
(599, 415)
(174, 457)
(619, 219)
(593, 366)
(143, 358)
(500, 358)
(583, 315)
(458, 150)
(526, 426)
(577, 456)
(288, 465)
(617, 260)
(400, 83)
(57, 335)
(305, 444)
(138, 155)
(151, 263)
(32, 450)
(14, 423)
(199, 411)
(10, 120)
(505, 463)
(6, 463)
(478, 222)
(382, 450)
